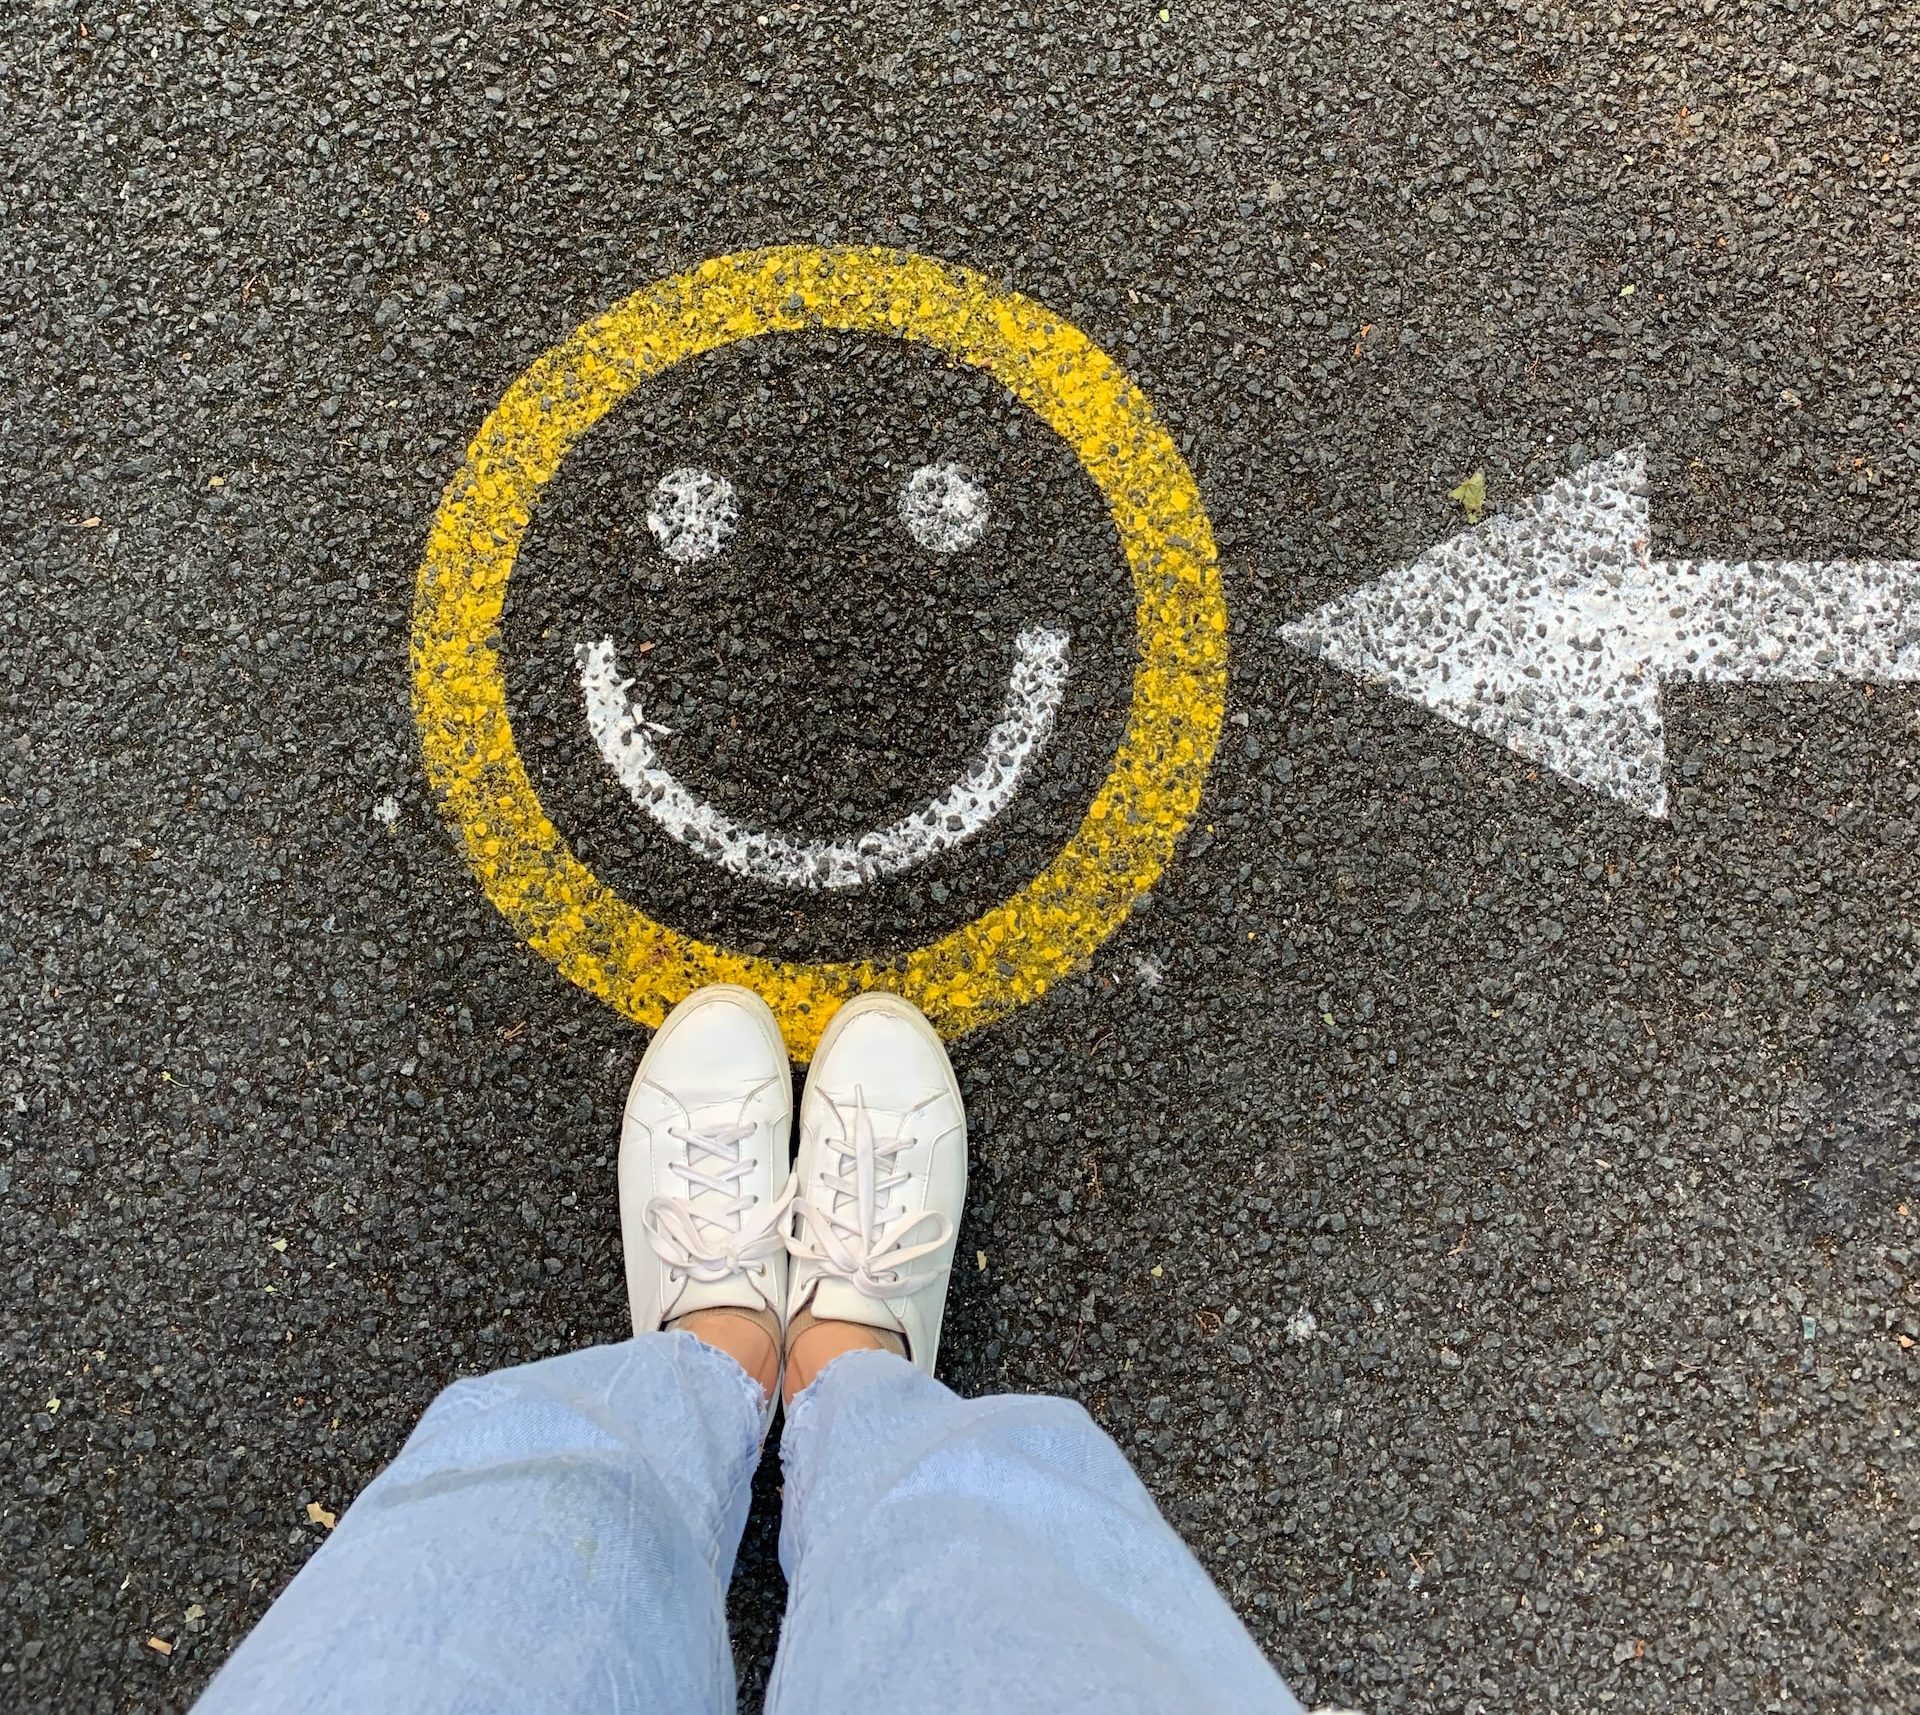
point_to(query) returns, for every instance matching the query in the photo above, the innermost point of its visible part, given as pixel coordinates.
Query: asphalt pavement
(1486, 1213)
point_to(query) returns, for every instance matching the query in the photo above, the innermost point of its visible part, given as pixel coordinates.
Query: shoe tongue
(836, 1301)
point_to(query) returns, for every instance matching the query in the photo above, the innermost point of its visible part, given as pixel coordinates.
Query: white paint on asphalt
(1553, 628)
(944, 507)
(692, 513)
(625, 739)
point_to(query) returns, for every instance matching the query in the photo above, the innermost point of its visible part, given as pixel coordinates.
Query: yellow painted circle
(1003, 958)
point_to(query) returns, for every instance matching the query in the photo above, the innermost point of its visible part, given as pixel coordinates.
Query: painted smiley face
(490, 766)
(832, 613)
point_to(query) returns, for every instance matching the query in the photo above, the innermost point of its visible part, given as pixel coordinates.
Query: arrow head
(1530, 629)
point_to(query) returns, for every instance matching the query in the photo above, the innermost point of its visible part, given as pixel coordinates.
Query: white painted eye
(692, 514)
(944, 506)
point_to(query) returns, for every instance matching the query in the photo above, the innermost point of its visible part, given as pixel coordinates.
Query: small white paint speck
(693, 512)
(387, 811)
(944, 507)
(1302, 1325)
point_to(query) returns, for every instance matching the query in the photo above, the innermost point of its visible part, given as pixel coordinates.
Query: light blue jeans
(557, 1540)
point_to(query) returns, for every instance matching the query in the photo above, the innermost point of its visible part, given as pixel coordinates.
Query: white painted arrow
(1552, 628)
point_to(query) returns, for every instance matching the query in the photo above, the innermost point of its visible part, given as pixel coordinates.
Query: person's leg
(995, 1555)
(551, 1539)
(558, 1538)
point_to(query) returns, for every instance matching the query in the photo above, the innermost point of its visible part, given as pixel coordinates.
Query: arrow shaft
(1783, 620)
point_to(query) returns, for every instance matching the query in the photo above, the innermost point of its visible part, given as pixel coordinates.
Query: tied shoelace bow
(855, 1232)
(706, 1241)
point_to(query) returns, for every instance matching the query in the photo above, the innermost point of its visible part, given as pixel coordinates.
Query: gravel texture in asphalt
(1486, 1215)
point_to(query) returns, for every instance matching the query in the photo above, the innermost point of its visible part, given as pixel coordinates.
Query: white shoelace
(707, 1241)
(855, 1232)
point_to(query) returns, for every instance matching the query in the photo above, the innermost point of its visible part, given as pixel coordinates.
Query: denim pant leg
(988, 1557)
(552, 1540)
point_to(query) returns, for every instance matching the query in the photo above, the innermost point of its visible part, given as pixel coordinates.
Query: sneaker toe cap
(720, 1040)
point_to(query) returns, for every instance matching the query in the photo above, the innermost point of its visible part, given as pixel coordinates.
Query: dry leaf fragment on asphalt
(1472, 495)
(317, 1514)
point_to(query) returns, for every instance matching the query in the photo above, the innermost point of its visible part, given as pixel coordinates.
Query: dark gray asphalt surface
(1585, 1144)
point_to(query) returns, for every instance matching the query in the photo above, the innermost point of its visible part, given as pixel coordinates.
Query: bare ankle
(813, 1342)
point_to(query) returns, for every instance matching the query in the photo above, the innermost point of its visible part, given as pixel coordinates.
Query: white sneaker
(882, 1175)
(704, 1185)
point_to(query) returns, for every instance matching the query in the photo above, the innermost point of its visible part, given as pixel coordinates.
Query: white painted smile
(626, 741)
(944, 508)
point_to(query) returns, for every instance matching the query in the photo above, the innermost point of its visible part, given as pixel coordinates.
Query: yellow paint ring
(1003, 958)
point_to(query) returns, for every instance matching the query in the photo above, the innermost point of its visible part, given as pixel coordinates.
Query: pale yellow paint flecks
(1002, 959)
